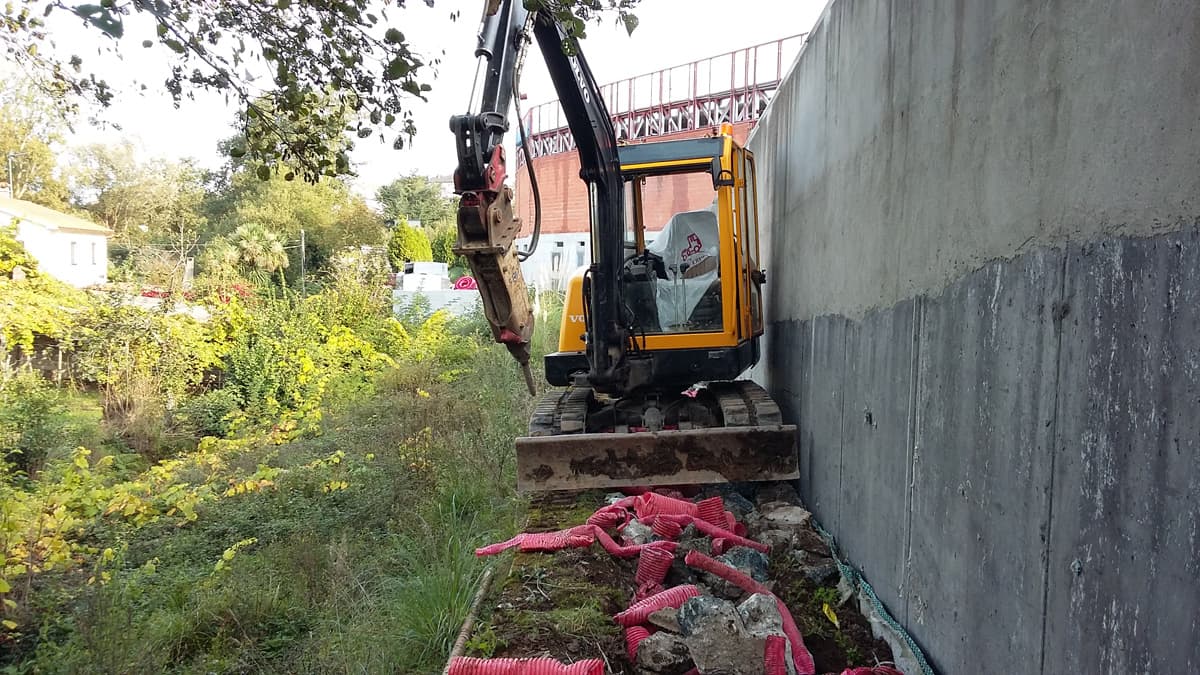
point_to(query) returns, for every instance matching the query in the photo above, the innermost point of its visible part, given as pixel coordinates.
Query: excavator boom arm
(487, 225)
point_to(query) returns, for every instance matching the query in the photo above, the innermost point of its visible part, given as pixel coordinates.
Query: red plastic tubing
(463, 665)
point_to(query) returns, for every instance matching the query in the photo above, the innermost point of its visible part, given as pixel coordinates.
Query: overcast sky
(671, 32)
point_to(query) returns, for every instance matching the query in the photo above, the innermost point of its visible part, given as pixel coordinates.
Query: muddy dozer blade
(692, 456)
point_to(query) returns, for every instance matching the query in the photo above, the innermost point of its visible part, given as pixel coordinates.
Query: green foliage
(32, 421)
(323, 542)
(259, 248)
(13, 253)
(39, 305)
(444, 240)
(211, 413)
(151, 206)
(408, 244)
(348, 50)
(30, 127)
(415, 197)
(331, 217)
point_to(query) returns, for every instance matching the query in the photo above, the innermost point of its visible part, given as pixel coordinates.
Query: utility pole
(303, 285)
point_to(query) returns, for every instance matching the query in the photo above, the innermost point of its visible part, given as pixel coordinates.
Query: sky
(670, 32)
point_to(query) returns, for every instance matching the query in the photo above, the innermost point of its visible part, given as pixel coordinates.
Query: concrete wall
(984, 304)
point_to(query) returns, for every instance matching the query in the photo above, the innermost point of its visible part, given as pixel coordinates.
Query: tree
(153, 207)
(305, 49)
(408, 244)
(418, 198)
(29, 127)
(331, 217)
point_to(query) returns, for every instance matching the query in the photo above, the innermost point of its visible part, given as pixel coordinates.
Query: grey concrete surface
(913, 142)
(1125, 555)
(983, 238)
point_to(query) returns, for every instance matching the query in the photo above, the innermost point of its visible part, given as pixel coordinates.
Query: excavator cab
(690, 275)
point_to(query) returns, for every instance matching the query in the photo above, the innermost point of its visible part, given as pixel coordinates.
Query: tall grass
(359, 559)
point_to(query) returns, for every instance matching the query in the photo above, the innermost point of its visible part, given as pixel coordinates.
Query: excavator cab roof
(678, 156)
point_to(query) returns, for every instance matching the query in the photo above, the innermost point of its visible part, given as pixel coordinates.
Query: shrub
(209, 414)
(32, 421)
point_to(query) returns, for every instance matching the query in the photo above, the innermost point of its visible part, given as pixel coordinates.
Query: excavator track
(751, 444)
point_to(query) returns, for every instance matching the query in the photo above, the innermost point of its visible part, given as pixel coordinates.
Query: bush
(408, 244)
(209, 414)
(32, 421)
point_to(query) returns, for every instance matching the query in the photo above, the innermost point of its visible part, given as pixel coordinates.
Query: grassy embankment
(345, 550)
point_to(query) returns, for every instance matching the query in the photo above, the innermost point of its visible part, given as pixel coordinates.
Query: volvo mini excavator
(656, 330)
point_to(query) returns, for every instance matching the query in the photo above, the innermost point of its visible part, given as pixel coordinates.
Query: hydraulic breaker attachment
(486, 230)
(684, 457)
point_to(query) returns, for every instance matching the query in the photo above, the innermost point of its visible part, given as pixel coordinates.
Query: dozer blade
(692, 456)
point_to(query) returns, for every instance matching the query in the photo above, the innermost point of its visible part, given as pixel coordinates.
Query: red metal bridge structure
(699, 96)
(688, 100)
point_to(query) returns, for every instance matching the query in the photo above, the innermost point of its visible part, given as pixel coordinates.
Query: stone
(666, 618)
(806, 539)
(746, 560)
(777, 492)
(663, 654)
(637, 533)
(778, 515)
(704, 608)
(760, 615)
(692, 539)
(817, 568)
(778, 540)
(761, 618)
(717, 639)
(738, 505)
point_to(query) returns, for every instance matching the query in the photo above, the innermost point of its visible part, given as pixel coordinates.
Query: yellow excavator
(656, 331)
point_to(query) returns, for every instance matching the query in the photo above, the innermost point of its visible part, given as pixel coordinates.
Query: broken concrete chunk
(746, 560)
(738, 505)
(704, 609)
(666, 618)
(779, 515)
(778, 540)
(761, 618)
(760, 615)
(717, 639)
(637, 533)
(663, 654)
(817, 568)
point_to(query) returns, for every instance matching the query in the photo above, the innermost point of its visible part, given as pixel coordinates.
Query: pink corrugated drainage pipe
(712, 510)
(667, 529)
(653, 565)
(464, 665)
(576, 537)
(775, 655)
(707, 528)
(653, 504)
(638, 612)
(633, 637)
(800, 656)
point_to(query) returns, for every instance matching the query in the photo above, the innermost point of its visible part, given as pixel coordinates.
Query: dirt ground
(561, 604)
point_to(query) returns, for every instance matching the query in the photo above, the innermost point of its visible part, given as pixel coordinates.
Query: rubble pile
(704, 600)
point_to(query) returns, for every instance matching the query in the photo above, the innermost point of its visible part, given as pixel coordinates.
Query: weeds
(348, 549)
